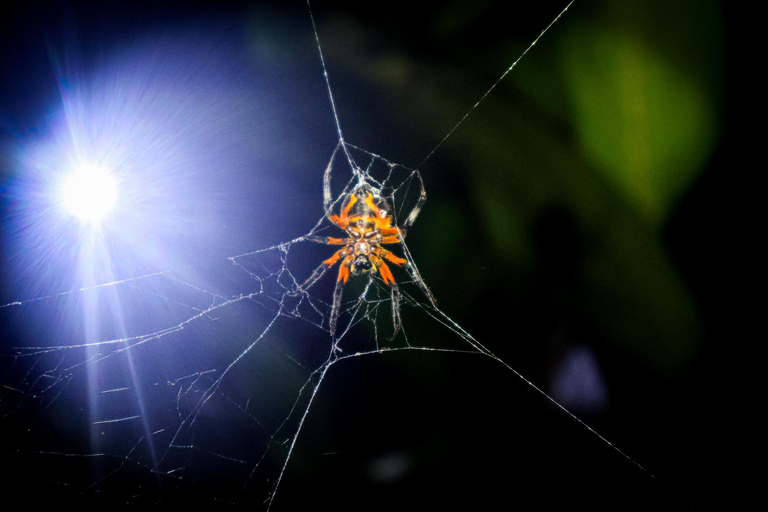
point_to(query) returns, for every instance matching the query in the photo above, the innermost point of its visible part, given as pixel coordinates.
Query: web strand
(328, 84)
(451, 324)
(485, 95)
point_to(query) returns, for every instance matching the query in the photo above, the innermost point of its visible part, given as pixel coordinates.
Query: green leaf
(644, 119)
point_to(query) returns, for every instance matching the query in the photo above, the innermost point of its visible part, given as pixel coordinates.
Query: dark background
(587, 206)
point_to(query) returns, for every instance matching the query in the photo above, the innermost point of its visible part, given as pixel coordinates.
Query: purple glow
(178, 125)
(138, 171)
(578, 383)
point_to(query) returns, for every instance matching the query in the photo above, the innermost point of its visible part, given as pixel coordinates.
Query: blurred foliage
(654, 131)
(573, 164)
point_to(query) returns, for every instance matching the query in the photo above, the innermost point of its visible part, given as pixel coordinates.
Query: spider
(365, 216)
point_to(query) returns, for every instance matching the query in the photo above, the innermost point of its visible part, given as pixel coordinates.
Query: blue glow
(152, 160)
(177, 129)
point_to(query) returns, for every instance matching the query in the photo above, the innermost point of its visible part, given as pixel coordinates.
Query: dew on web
(170, 387)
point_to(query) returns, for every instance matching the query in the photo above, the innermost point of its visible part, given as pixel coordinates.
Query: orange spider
(365, 216)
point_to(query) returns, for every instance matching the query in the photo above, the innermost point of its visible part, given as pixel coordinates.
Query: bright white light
(89, 193)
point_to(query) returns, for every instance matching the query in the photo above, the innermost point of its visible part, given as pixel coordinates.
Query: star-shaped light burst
(89, 193)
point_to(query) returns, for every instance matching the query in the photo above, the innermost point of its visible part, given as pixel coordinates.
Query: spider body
(366, 220)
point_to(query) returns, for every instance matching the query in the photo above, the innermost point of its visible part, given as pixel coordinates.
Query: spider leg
(420, 282)
(415, 277)
(336, 305)
(343, 220)
(327, 200)
(325, 240)
(339, 221)
(386, 275)
(383, 220)
(391, 238)
(348, 207)
(382, 252)
(381, 214)
(416, 208)
(395, 309)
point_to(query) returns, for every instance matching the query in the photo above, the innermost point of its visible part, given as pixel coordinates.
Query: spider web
(204, 393)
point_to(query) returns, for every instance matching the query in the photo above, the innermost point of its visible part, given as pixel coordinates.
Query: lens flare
(89, 193)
